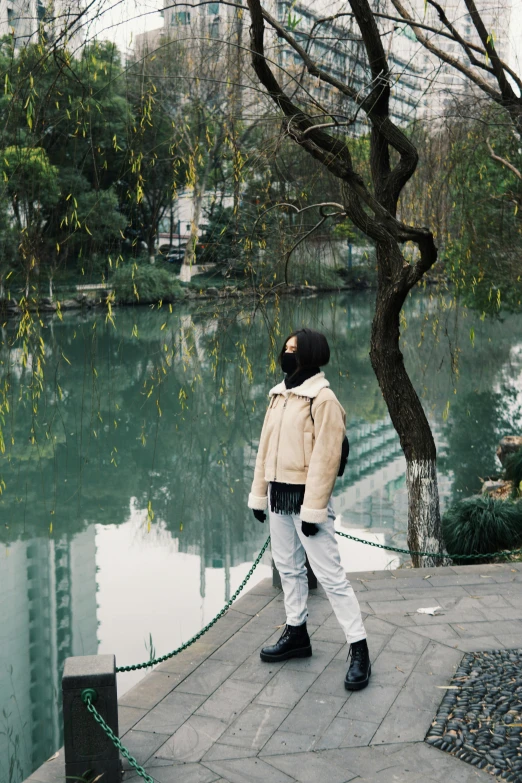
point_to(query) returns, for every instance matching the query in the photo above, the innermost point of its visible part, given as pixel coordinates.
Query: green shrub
(513, 471)
(481, 524)
(144, 284)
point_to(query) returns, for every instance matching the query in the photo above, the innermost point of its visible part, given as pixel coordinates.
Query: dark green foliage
(480, 525)
(219, 242)
(144, 284)
(513, 471)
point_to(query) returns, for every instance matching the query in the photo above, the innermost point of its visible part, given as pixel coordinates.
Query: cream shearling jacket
(293, 449)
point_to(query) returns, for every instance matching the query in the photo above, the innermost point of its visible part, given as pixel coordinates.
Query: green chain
(207, 627)
(506, 553)
(87, 697)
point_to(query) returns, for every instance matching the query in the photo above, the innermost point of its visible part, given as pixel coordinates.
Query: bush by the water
(144, 284)
(513, 471)
(480, 525)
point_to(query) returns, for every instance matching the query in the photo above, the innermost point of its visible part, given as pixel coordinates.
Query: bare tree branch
(503, 161)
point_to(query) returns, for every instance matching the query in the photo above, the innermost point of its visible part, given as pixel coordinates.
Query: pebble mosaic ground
(480, 718)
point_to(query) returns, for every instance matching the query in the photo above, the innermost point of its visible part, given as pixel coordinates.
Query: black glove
(309, 529)
(259, 515)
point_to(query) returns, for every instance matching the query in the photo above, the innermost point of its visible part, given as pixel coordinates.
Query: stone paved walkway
(217, 714)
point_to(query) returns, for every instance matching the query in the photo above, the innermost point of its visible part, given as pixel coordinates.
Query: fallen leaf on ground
(55, 756)
(449, 687)
(427, 577)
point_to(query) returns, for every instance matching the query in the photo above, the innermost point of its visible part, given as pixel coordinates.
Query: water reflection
(126, 520)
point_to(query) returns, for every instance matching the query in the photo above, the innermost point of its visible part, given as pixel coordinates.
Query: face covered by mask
(289, 363)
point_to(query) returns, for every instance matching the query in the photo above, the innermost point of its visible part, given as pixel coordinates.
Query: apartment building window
(182, 17)
(213, 9)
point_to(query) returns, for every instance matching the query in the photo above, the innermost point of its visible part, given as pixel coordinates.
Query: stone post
(87, 748)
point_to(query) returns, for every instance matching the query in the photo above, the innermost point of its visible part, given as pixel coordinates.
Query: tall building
(442, 84)
(25, 20)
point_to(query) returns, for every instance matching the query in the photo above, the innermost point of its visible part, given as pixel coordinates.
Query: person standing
(297, 463)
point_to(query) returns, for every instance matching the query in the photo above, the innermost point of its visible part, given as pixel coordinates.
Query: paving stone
(288, 742)
(50, 771)
(229, 700)
(179, 773)
(422, 692)
(286, 688)
(142, 744)
(248, 770)
(373, 703)
(392, 668)
(370, 575)
(388, 594)
(404, 641)
(323, 652)
(509, 640)
(459, 580)
(226, 627)
(314, 713)
(331, 681)
(434, 763)
(403, 725)
(256, 670)
(466, 629)
(128, 717)
(149, 691)
(251, 603)
(347, 733)
(254, 727)
(310, 768)
(376, 625)
(439, 632)
(445, 596)
(265, 587)
(438, 659)
(185, 662)
(169, 714)
(241, 645)
(478, 643)
(219, 752)
(327, 634)
(407, 583)
(192, 740)
(207, 677)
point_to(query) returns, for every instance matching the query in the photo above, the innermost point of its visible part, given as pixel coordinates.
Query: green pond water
(124, 524)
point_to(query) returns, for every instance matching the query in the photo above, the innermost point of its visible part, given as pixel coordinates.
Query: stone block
(403, 725)
(86, 745)
(373, 703)
(323, 652)
(256, 670)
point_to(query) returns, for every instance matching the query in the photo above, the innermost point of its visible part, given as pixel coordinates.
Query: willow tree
(373, 208)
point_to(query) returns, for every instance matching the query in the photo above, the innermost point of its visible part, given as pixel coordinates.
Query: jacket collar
(310, 388)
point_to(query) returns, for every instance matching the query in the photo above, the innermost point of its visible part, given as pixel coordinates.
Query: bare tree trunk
(409, 420)
(197, 204)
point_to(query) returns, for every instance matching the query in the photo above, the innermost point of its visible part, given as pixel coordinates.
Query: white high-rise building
(26, 20)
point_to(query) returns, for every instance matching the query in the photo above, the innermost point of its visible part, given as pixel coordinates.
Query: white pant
(288, 550)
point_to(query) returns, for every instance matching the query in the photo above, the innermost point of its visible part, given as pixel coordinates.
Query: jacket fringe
(286, 498)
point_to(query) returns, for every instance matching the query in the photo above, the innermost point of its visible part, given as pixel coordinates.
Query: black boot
(360, 667)
(294, 643)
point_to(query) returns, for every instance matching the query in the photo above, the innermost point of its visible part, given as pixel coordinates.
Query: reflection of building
(26, 19)
(47, 613)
